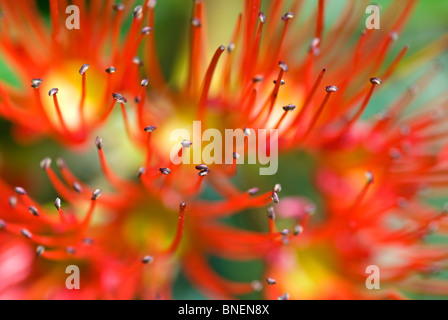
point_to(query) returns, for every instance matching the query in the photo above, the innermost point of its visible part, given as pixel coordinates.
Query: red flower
(47, 63)
(129, 241)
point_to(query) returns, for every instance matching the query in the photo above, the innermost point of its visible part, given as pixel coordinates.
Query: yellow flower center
(67, 79)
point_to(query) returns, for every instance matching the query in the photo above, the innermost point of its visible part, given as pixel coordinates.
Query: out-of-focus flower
(313, 86)
(111, 238)
(69, 78)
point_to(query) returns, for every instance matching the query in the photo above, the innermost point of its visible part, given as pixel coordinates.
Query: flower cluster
(311, 83)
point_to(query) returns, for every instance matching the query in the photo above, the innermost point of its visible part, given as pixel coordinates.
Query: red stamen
(395, 63)
(287, 109)
(360, 197)
(268, 106)
(374, 82)
(149, 130)
(286, 18)
(230, 206)
(108, 173)
(180, 229)
(41, 108)
(141, 104)
(127, 123)
(274, 13)
(196, 51)
(66, 193)
(54, 15)
(59, 112)
(330, 90)
(320, 20)
(62, 216)
(308, 99)
(207, 82)
(83, 96)
(152, 59)
(227, 68)
(108, 112)
(116, 31)
(85, 223)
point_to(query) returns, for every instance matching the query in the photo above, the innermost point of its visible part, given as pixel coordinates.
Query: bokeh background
(19, 163)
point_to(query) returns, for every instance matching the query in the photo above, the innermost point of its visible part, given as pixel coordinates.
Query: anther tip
(287, 16)
(87, 241)
(137, 61)
(283, 66)
(35, 83)
(369, 177)
(118, 7)
(201, 167)
(282, 82)
(165, 171)
(204, 173)
(138, 10)
(12, 202)
(271, 213)
(33, 211)
(376, 80)
(57, 204)
(119, 98)
(298, 229)
(84, 69)
(60, 163)
(152, 3)
(96, 194)
(186, 143)
(147, 259)
(45, 164)
(77, 187)
(195, 22)
(26, 233)
(331, 89)
(258, 78)
(144, 82)
(150, 129)
(40, 250)
(111, 70)
(20, 191)
(141, 172)
(289, 107)
(394, 35)
(99, 143)
(146, 30)
(257, 285)
(284, 296)
(252, 191)
(53, 91)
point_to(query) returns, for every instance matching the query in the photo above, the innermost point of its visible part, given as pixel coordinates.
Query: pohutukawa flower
(132, 236)
(80, 69)
(70, 236)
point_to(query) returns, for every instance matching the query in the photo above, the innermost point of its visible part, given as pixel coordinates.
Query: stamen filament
(180, 229)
